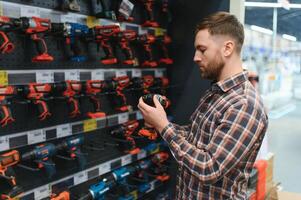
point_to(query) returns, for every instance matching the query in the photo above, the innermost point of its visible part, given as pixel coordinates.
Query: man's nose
(197, 57)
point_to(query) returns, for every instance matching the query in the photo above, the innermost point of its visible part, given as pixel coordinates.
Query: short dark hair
(223, 23)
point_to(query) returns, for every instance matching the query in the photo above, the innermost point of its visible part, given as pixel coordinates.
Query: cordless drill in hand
(72, 147)
(42, 155)
(71, 89)
(36, 92)
(36, 27)
(93, 89)
(147, 40)
(105, 36)
(5, 112)
(118, 84)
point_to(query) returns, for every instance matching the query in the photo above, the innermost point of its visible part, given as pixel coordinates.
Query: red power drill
(5, 45)
(118, 84)
(36, 92)
(70, 89)
(125, 132)
(150, 18)
(6, 25)
(5, 112)
(93, 89)
(103, 36)
(36, 27)
(163, 41)
(147, 40)
(124, 38)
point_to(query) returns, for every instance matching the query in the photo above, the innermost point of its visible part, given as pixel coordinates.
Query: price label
(159, 73)
(36, 136)
(104, 168)
(90, 125)
(120, 73)
(80, 178)
(63, 130)
(141, 155)
(28, 11)
(42, 192)
(159, 31)
(125, 160)
(136, 73)
(126, 8)
(72, 75)
(4, 143)
(92, 21)
(69, 18)
(139, 115)
(3, 78)
(45, 77)
(152, 187)
(98, 75)
(123, 117)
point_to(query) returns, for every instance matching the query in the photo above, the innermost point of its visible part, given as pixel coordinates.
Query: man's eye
(202, 50)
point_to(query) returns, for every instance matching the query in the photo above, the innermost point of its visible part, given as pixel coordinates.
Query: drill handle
(40, 44)
(96, 103)
(126, 50)
(42, 109)
(5, 45)
(75, 46)
(81, 158)
(49, 167)
(74, 107)
(107, 48)
(5, 116)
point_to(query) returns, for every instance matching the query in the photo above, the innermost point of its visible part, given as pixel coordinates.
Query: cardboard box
(270, 168)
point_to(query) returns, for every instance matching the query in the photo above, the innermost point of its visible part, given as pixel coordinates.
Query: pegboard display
(71, 75)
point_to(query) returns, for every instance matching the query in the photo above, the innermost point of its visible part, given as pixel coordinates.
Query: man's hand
(154, 116)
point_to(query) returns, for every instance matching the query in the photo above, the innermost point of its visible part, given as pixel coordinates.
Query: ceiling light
(262, 30)
(289, 37)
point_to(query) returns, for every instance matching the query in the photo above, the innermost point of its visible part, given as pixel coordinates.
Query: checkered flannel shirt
(217, 150)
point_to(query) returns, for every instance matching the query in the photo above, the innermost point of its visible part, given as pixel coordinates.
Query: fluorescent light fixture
(262, 30)
(289, 37)
(270, 5)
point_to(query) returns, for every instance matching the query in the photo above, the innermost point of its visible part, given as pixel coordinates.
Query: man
(217, 150)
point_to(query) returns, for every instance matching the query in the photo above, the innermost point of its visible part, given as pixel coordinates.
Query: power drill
(143, 83)
(118, 84)
(62, 196)
(147, 40)
(36, 27)
(5, 112)
(150, 19)
(163, 41)
(72, 33)
(36, 92)
(42, 155)
(104, 36)
(93, 89)
(148, 99)
(124, 38)
(71, 89)
(72, 147)
(125, 134)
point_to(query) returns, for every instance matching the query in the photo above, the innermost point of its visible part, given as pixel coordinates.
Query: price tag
(159, 31)
(159, 73)
(28, 11)
(69, 18)
(90, 125)
(3, 78)
(36, 136)
(139, 115)
(126, 8)
(42, 192)
(80, 178)
(63, 130)
(123, 117)
(45, 77)
(120, 73)
(141, 155)
(125, 160)
(92, 21)
(104, 168)
(136, 73)
(98, 75)
(4, 143)
(152, 187)
(72, 75)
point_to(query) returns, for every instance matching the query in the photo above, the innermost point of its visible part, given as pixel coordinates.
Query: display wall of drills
(71, 75)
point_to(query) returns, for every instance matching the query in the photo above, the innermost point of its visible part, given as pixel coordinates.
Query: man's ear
(229, 47)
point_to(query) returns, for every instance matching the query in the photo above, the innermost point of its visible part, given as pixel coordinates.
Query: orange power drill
(5, 112)
(93, 89)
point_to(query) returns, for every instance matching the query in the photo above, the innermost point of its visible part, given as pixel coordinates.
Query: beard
(214, 68)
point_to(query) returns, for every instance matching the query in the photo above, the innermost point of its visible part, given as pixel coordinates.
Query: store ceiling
(289, 21)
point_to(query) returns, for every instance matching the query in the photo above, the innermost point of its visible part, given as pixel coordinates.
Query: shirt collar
(229, 83)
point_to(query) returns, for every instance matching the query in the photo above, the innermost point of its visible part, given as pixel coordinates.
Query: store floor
(284, 139)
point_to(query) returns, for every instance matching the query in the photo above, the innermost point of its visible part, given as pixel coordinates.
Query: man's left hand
(154, 116)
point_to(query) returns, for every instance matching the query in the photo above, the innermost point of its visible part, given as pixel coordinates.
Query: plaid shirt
(216, 152)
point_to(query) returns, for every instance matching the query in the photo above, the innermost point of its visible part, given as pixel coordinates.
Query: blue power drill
(72, 147)
(72, 33)
(41, 155)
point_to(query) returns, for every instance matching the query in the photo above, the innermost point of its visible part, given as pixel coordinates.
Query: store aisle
(284, 138)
